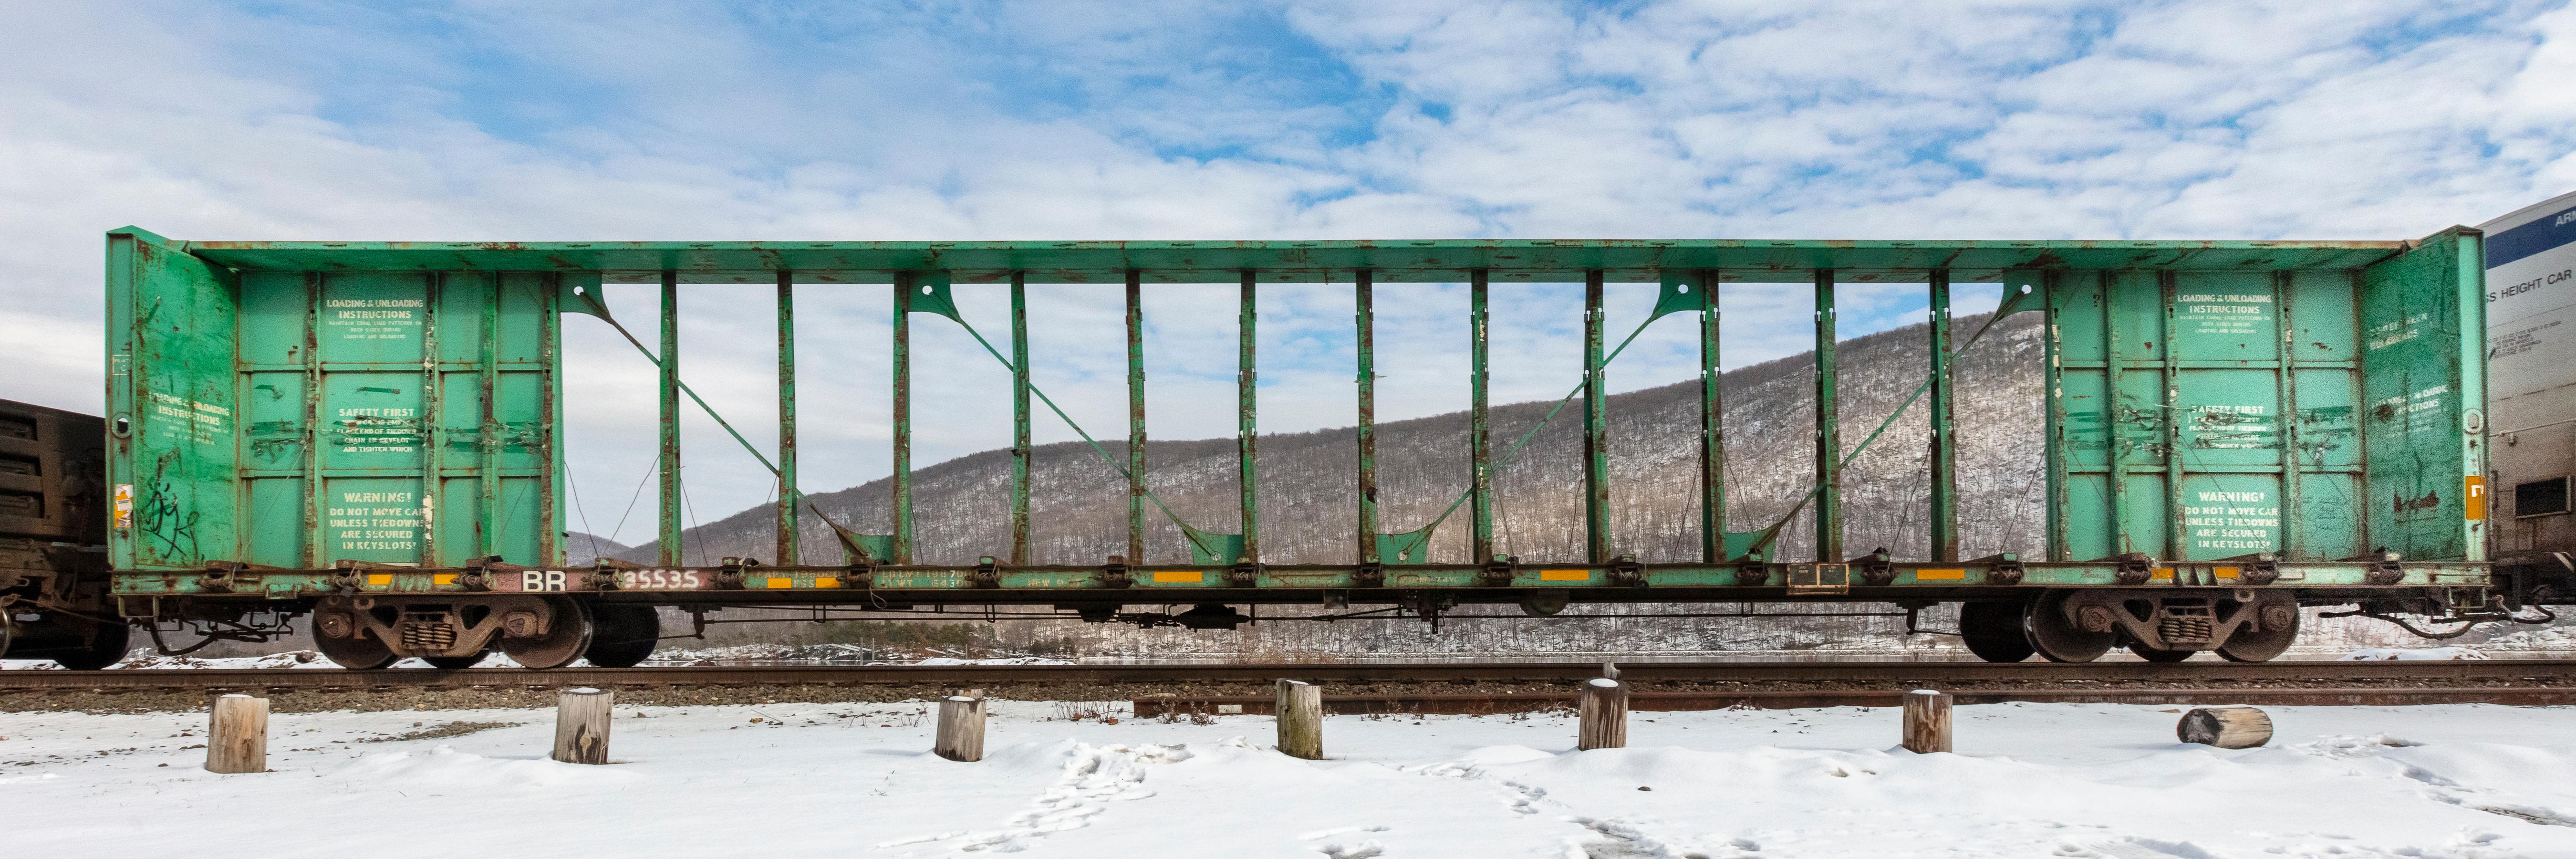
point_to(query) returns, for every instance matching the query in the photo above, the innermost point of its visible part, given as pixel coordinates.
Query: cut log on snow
(961, 729)
(2225, 727)
(581, 725)
(1301, 720)
(238, 740)
(1603, 712)
(1927, 721)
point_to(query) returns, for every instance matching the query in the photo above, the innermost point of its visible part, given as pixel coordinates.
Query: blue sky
(566, 121)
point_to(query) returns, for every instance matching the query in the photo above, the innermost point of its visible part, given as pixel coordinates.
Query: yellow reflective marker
(1955, 574)
(2161, 573)
(1565, 575)
(1161, 576)
(380, 579)
(826, 582)
(442, 579)
(782, 583)
(2227, 572)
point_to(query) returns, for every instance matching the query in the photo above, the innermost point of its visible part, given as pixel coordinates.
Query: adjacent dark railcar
(53, 539)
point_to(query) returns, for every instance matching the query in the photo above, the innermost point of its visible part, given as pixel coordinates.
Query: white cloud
(1339, 119)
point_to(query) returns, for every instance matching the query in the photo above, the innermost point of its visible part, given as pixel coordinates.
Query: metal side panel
(301, 419)
(2423, 390)
(2199, 406)
(172, 415)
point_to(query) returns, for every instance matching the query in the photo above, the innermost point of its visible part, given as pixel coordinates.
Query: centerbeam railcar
(367, 433)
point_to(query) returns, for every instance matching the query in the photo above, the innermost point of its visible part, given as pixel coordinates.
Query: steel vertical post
(1247, 430)
(2177, 539)
(317, 549)
(1020, 449)
(1367, 430)
(547, 446)
(2114, 422)
(1480, 445)
(670, 463)
(1596, 428)
(2053, 447)
(1945, 459)
(789, 551)
(1712, 428)
(1135, 417)
(2294, 543)
(433, 436)
(1829, 445)
(487, 518)
(904, 283)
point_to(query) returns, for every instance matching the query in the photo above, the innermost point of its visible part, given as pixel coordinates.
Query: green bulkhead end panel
(2208, 415)
(2423, 423)
(173, 417)
(387, 418)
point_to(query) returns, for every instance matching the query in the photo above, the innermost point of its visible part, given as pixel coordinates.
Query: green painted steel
(1365, 433)
(671, 498)
(305, 419)
(1286, 583)
(2210, 405)
(1247, 433)
(1021, 449)
(1829, 444)
(1712, 424)
(2424, 396)
(1596, 427)
(1944, 431)
(788, 552)
(1136, 419)
(900, 547)
(1422, 261)
(2171, 390)
(1480, 438)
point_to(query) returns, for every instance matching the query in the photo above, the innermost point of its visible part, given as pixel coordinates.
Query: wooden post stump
(1301, 720)
(1604, 714)
(2225, 727)
(961, 729)
(1927, 721)
(238, 740)
(581, 725)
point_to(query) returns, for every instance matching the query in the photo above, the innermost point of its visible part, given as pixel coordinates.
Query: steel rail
(1652, 702)
(2537, 673)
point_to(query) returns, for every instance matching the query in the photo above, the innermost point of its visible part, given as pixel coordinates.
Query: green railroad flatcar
(367, 434)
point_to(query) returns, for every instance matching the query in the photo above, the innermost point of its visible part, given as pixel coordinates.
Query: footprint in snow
(1364, 848)
(1093, 776)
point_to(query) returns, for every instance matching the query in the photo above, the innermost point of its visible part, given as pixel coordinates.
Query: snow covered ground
(785, 780)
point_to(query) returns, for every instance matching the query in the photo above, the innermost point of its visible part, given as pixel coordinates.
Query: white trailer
(2531, 388)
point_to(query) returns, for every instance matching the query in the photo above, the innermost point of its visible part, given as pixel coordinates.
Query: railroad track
(1849, 678)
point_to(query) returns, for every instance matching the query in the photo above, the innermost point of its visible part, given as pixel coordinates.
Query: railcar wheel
(1992, 630)
(2151, 654)
(106, 648)
(2279, 625)
(563, 641)
(354, 648)
(2058, 639)
(624, 635)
